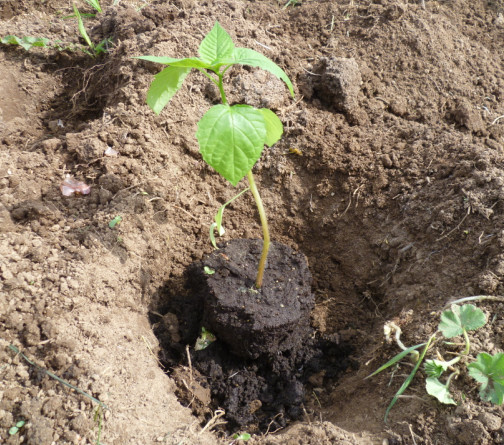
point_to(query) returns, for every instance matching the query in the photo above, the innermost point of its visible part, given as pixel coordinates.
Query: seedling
(231, 138)
(487, 370)
(205, 339)
(14, 430)
(116, 221)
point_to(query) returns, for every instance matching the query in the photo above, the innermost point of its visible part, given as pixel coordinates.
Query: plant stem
(264, 224)
(221, 89)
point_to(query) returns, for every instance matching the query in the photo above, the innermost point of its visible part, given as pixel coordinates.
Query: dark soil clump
(266, 349)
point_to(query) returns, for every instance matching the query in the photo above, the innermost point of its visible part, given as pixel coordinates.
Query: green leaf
(205, 339)
(247, 56)
(242, 436)
(439, 390)
(395, 359)
(434, 368)
(216, 46)
(164, 86)
(191, 62)
(489, 371)
(25, 42)
(218, 219)
(82, 29)
(467, 317)
(117, 220)
(231, 139)
(95, 4)
(274, 127)
(208, 270)
(13, 430)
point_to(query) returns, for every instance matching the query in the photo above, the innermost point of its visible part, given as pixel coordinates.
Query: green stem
(221, 89)
(264, 223)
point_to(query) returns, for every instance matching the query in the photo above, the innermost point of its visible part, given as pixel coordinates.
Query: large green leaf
(274, 126)
(216, 46)
(247, 56)
(191, 62)
(231, 139)
(164, 86)
(467, 317)
(489, 371)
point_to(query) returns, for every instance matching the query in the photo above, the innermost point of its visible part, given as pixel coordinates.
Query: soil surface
(389, 178)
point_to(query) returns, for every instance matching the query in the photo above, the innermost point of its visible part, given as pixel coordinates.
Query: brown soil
(389, 178)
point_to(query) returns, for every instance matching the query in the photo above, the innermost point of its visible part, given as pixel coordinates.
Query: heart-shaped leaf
(439, 390)
(164, 86)
(231, 139)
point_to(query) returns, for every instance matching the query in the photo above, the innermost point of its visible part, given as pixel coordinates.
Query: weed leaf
(95, 4)
(395, 359)
(439, 390)
(25, 42)
(164, 86)
(231, 139)
(489, 371)
(82, 29)
(434, 368)
(191, 62)
(216, 46)
(247, 56)
(274, 126)
(218, 219)
(461, 318)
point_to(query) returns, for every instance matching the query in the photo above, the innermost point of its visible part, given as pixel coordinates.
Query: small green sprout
(487, 370)
(241, 436)
(217, 225)
(231, 138)
(208, 270)
(14, 430)
(205, 339)
(116, 221)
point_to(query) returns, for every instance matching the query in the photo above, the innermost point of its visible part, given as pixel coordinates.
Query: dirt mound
(388, 178)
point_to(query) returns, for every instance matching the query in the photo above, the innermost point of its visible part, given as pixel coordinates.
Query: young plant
(231, 137)
(487, 370)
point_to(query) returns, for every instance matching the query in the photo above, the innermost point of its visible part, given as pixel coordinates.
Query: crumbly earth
(389, 178)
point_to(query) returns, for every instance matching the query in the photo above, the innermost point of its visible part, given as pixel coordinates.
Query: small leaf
(439, 390)
(274, 127)
(205, 339)
(218, 219)
(117, 220)
(13, 430)
(435, 368)
(467, 317)
(247, 56)
(231, 139)
(164, 86)
(489, 371)
(216, 46)
(242, 436)
(21, 423)
(208, 270)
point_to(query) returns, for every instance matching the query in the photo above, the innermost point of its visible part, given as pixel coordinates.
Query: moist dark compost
(265, 350)
(257, 322)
